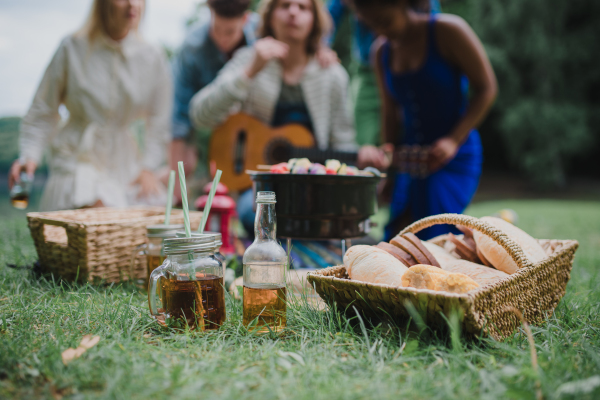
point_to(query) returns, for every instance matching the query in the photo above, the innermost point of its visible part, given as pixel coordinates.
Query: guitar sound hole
(278, 151)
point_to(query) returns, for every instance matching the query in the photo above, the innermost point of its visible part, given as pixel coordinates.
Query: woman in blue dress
(437, 83)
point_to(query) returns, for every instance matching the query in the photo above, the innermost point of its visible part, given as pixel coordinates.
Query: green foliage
(323, 355)
(545, 57)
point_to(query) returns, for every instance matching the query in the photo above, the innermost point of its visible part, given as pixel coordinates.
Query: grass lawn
(323, 355)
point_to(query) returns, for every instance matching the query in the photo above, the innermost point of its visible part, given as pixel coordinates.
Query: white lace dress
(109, 88)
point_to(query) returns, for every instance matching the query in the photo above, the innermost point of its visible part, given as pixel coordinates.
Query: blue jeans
(245, 210)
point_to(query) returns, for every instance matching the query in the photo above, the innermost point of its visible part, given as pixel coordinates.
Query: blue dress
(433, 99)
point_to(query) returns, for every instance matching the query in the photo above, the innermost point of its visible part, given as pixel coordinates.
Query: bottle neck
(265, 224)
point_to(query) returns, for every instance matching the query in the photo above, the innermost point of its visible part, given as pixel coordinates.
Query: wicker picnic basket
(534, 290)
(96, 243)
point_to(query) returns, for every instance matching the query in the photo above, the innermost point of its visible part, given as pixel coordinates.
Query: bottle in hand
(19, 194)
(265, 264)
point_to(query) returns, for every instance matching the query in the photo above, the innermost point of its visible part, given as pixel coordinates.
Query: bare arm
(461, 47)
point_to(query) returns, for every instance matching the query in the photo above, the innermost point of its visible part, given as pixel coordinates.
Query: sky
(30, 31)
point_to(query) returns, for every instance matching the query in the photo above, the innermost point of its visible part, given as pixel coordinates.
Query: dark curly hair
(418, 5)
(229, 8)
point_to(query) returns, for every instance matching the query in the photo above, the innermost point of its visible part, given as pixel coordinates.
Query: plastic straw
(184, 200)
(170, 197)
(206, 211)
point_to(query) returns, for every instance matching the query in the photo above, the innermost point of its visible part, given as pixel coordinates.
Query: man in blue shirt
(227, 27)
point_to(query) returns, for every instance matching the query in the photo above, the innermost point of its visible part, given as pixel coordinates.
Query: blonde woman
(108, 78)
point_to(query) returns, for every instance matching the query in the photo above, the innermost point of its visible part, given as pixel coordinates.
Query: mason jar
(187, 290)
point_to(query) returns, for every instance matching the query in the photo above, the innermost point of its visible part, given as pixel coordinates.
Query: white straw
(206, 211)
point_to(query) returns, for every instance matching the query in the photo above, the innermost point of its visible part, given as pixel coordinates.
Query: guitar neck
(320, 156)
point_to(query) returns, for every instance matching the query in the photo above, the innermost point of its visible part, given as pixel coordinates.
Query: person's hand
(371, 156)
(266, 49)
(149, 184)
(326, 57)
(442, 152)
(14, 175)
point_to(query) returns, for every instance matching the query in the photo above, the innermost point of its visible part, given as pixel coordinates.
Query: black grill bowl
(320, 206)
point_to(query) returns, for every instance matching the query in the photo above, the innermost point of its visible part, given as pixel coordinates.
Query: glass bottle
(265, 264)
(187, 289)
(19, 194)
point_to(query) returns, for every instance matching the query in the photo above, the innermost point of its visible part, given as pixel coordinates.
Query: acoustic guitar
(243, 142)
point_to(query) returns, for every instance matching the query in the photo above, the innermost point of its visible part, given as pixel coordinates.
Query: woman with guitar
(425, 66)
(279, 82)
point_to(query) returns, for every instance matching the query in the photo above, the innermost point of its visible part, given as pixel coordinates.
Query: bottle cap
(266, 197)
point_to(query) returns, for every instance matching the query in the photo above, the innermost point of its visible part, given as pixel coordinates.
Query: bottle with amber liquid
(19, 194)
(265, 264)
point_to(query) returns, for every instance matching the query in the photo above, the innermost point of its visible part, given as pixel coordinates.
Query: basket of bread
(483, 274)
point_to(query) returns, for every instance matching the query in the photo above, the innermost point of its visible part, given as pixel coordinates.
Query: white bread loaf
(433, 278)
(496, 254)
(479, 273)
(374, 265)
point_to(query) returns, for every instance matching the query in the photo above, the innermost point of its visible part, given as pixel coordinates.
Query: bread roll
(479, 273)
(495, 253)
(433, 278)
(373, 265)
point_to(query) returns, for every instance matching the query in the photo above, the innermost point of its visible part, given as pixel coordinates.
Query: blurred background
(541, 140)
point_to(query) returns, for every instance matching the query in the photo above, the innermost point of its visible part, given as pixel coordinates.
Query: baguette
(373, 265)
(479, 273)
(434, 278)
(397, 253)
(495, 253)
(410, 248)
(411, 237)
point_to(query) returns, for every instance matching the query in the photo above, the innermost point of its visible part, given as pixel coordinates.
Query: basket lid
(182, 245)
(162, 230)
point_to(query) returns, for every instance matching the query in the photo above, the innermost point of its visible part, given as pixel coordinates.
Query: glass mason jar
(265, 264)
(152, 249)
(187, 289)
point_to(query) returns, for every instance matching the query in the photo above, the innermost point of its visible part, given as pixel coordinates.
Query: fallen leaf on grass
(87, 342)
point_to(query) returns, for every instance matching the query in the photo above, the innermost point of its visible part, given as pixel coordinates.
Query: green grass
(323, 355)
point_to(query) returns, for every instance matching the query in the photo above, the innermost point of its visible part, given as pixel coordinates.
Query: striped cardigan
(232, 91)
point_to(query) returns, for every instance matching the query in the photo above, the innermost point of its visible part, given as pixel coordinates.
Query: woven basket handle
(513, 249)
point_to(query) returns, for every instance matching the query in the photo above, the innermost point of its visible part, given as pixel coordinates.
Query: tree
(546, 57)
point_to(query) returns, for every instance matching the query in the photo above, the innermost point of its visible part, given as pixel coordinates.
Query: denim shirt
(362, 36)
(195, 66)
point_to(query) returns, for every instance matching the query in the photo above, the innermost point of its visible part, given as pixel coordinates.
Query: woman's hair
(417, 5)
(97, 21)
(321, 23)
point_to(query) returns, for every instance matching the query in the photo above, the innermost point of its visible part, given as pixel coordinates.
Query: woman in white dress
(110, 81)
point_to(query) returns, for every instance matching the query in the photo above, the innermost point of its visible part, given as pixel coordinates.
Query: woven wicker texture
(96, 242)
(535, 289)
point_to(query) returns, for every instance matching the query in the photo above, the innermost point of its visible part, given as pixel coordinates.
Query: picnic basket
(534, 290)
(96, 243)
